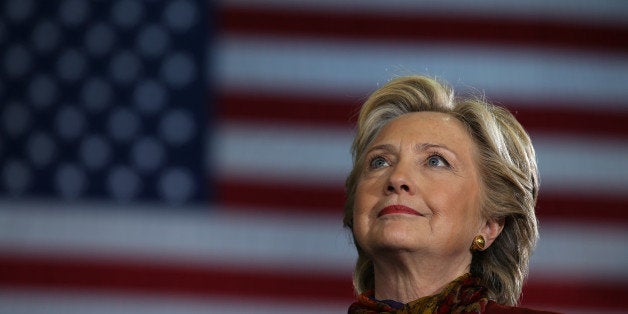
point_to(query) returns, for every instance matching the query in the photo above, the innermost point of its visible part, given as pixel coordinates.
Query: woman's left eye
(437, 161)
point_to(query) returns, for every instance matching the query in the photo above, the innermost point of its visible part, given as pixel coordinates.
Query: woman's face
(420, 188)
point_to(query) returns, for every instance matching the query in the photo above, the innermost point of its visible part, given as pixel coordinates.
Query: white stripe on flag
(357, 68)
(46, 301)
(194, 235)
(572, 164)
(263, 241)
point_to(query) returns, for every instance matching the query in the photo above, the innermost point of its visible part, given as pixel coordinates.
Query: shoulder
(494, 308)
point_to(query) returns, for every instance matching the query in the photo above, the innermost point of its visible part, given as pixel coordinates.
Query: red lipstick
(397, 209)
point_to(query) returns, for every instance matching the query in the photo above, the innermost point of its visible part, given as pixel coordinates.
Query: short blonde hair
(508, 171)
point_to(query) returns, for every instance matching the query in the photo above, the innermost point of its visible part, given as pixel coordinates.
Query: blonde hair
(507, 166)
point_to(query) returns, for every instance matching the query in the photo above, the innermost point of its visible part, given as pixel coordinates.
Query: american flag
(189, 157)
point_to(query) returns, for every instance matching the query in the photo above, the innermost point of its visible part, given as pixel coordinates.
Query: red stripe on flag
(561, 118)
(574, 293)
(324, 199)
(136, 276)
(593, 208)
(324, 111)
(289, 109)
(143, 277)
(280, 196)
(417, 27)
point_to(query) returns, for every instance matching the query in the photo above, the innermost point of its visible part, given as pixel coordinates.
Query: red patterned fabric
(463, 295)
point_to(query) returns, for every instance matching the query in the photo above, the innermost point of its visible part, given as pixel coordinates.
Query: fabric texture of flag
(189, 157)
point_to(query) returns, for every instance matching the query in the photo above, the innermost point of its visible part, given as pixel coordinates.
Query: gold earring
(478, 243)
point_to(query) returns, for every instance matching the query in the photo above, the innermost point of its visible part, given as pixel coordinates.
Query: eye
(378, 162)
(437, 161)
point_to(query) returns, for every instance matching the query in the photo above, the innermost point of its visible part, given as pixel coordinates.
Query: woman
(440, 202)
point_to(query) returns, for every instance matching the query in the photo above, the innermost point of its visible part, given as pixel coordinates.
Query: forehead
(426, 127)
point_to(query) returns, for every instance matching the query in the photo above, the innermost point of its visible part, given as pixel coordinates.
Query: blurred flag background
(189, 156)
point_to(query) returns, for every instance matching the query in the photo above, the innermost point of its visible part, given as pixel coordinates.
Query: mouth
(397, 209)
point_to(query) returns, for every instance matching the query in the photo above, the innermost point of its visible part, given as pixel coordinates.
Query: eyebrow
(422, 147)
(386, 147)
(427, 146)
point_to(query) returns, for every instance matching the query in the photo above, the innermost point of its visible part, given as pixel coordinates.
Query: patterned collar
(463, 295)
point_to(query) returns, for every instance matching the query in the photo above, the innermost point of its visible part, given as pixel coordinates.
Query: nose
(400, 181)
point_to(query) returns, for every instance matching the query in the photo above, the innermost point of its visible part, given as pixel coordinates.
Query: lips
(397, 209)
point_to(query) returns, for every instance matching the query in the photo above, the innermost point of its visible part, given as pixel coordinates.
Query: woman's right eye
(378, 162)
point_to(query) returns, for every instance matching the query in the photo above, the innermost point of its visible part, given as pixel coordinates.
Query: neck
(405, 277)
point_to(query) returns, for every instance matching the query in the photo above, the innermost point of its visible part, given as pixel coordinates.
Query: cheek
(456, 203)
(362, 208)
(360, 205)
(365, 194)
(360, 227)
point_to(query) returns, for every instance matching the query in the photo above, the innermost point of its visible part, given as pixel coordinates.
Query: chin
(397, 239)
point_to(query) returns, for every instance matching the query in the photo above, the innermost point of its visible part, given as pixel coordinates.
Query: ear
(491, 230)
